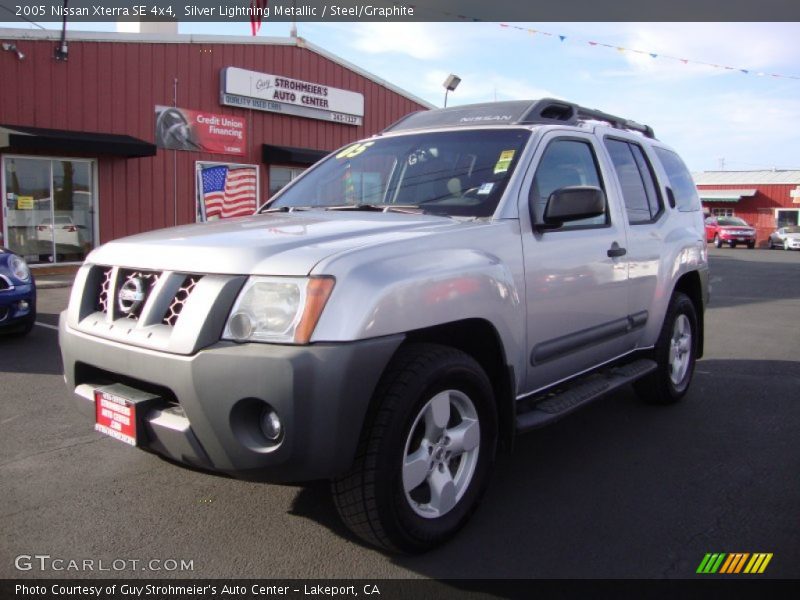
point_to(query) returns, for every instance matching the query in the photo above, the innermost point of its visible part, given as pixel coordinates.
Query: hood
(268, 244)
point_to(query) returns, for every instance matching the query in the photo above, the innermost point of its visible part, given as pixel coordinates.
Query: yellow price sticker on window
(354, 150)
(506, 156)
(24, 202)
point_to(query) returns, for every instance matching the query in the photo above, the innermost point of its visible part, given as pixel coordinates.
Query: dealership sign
(200, 131)
(274, 93)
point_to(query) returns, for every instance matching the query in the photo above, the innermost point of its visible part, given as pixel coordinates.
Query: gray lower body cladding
(321, 393)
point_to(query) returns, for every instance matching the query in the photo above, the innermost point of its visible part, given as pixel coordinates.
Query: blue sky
(706, 113)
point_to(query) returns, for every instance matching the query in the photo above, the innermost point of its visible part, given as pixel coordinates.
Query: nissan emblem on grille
(131, 295)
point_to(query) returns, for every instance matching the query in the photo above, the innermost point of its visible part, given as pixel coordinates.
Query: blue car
(17, 294)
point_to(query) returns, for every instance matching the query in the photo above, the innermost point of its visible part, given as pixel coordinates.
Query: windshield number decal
(354, 150)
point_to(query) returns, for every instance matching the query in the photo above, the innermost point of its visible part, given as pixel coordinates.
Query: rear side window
(566, 163)
(686, 197)
(636, 179)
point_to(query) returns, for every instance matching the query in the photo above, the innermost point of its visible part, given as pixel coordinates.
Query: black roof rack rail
(590, 114)
(549, 109)
(546, 111)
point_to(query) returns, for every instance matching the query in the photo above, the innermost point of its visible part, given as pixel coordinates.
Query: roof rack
(547, 111)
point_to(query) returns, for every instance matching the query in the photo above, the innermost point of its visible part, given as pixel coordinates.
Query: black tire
(717, 241)
(786, 244)
(733, 244)
(751, 245)
(371, 498)
(659, 387)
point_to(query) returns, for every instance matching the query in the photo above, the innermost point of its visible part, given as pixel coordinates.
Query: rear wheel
(675, 353)
(426, 452)
(751, 245)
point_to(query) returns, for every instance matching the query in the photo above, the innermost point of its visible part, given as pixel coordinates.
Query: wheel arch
(479, 339)
(691, 285)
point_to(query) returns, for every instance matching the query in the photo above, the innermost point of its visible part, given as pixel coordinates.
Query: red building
(765, 199)
(134, 132)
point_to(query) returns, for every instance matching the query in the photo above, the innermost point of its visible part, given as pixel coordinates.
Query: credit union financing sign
(273, 93)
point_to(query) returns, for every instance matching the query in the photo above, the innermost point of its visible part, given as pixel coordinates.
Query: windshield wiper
(401, 208)
(283, 209)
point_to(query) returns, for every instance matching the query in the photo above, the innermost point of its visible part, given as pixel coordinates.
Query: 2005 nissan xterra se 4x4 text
(401, 310)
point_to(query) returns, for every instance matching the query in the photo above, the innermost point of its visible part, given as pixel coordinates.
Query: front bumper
(792, 243)
(738, 238)
(11, 313)
(321, 393)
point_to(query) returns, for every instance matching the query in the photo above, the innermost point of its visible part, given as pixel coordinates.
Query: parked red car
(731, 231)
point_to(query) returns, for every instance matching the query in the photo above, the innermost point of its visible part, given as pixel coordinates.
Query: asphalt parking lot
(619, 489)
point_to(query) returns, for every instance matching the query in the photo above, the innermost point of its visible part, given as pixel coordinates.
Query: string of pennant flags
(653, 55)
(620, 49)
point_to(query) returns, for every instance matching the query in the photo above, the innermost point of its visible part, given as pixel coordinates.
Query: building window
(50, 208)
(787, 218)
(225, 190)
(279, 177)
(722, 212)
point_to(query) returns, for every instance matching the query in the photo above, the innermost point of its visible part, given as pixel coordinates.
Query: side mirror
(572, 203)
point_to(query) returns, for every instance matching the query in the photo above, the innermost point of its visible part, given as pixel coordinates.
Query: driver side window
(566, 163)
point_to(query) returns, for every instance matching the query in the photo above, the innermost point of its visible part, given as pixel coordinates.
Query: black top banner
(387, 10)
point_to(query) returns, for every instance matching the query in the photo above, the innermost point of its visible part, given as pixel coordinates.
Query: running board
(548, 408)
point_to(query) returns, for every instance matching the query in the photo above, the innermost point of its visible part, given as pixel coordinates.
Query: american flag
(229, 191)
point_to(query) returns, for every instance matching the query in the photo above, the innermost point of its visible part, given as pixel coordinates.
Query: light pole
(450, 84)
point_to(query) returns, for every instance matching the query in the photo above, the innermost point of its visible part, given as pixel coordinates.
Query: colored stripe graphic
(758, 563)
(728, 564)
(711, 563)
(734, 563)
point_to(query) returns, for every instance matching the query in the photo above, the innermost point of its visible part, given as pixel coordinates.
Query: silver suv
(402, 310)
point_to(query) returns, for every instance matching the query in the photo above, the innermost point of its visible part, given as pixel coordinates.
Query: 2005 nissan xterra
(402, 309)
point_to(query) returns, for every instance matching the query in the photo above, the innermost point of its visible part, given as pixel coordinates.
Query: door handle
(616, 251)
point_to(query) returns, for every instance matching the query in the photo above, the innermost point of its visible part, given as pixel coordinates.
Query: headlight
(278, 309)
(19, 268)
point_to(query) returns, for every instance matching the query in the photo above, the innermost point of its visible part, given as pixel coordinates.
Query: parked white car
(787, 238)
(63, 229)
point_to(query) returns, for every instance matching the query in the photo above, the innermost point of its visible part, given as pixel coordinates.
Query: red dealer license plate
(115, 416)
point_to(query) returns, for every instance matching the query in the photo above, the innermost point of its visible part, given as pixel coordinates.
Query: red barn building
(134, 132)
(765, 199)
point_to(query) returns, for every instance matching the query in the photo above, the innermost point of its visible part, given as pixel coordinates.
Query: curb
(53, 284)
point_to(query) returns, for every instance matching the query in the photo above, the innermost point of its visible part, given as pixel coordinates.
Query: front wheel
(675, 353)
(425, 455)
(786, 244)
(751, 245)
(717, 241)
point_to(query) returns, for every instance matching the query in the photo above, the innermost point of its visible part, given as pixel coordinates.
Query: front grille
(106, 295)
(181, 296)
(150, 278)
(102, 296)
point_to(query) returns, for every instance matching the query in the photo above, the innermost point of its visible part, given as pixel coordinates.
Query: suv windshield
(732, 221)
(453, 173)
